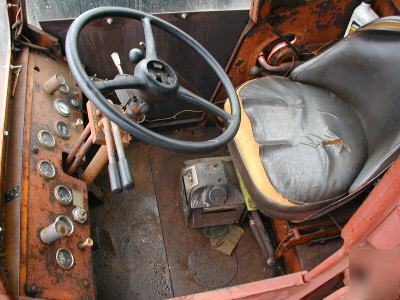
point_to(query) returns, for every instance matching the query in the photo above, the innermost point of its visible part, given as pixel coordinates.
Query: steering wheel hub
(162, 74)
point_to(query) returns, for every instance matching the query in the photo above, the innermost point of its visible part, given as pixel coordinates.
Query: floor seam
(162, 230)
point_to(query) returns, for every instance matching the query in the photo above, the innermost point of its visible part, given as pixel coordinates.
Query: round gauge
(62, 130)
(64, 89)
(62, 107)
(75, 103)
(46, 169)
(46, 139)
(64, 258)
(63, 194)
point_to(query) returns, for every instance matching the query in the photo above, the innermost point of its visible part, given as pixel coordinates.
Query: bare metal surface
(146, 256)
(211, 269)
(130, 261)
(52, 9)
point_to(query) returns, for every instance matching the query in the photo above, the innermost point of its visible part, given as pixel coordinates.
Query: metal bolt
(31, 290)
(86, 283)
(184, 16)
(109, 21)
(12, 67)
(79, 214)
(1, 229)
(35, 149)
(5, 133)
(78, 122)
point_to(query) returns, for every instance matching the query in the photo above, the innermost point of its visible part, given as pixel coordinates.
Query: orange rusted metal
(94, 116)
(85, 134)
(79, 156)
(35, 272)
(96, 165)
(316, 22)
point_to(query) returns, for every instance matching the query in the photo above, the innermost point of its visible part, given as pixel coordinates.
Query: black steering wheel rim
(138, 131)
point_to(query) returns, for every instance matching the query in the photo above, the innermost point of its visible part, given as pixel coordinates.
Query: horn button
(161, 73)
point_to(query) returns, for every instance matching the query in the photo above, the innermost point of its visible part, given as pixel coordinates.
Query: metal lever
(124, 169)
(117, 62)
(115, 181)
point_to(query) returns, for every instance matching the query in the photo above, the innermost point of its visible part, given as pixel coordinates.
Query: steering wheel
(154, 80)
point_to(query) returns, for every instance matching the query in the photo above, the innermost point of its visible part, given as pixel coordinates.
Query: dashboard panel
(46, 209)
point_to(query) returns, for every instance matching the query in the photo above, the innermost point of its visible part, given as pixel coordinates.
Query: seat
(312, 142)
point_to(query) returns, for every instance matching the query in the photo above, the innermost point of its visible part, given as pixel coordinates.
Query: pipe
(265, 238)
(84, 135)
(96, 165)
(81, 153)
(281, 69)
(124, 169)
(257, 236)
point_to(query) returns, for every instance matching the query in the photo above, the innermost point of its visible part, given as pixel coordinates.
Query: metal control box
(210, 191)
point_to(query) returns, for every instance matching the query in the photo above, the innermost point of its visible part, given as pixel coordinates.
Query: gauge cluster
(55, 241)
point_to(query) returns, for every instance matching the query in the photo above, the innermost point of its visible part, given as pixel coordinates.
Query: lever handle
(117, 62)
(126, 175)
(124, 169)
(115, 181)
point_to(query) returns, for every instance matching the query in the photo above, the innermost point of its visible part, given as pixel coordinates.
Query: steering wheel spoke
(192, 98)
(151, 52)
(130, 82)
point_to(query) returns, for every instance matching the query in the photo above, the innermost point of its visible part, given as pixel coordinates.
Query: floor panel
(144, 244)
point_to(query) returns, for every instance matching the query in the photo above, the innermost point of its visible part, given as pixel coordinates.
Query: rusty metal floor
(143, 243)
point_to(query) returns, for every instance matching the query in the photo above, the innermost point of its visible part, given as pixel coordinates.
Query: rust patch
(41, 276)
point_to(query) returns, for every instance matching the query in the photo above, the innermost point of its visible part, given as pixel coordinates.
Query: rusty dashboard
(39, 194)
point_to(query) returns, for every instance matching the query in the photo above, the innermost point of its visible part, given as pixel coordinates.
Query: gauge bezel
(75, 102)
(38, 167)
(58, 198)
(56, 102)
(64, 137)
(58, 259)
(42, 143)
(64, 89)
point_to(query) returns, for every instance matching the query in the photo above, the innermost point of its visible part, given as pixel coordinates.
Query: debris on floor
(224, 238)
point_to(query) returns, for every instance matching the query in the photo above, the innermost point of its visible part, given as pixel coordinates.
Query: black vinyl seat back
(364, 71)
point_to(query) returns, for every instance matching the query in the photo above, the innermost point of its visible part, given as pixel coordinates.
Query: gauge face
(46, 169)
(75, 103)
(62, 107)
(63, 195)
(62, 130)
(64, 258)
(64, 89)
(46, 139)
